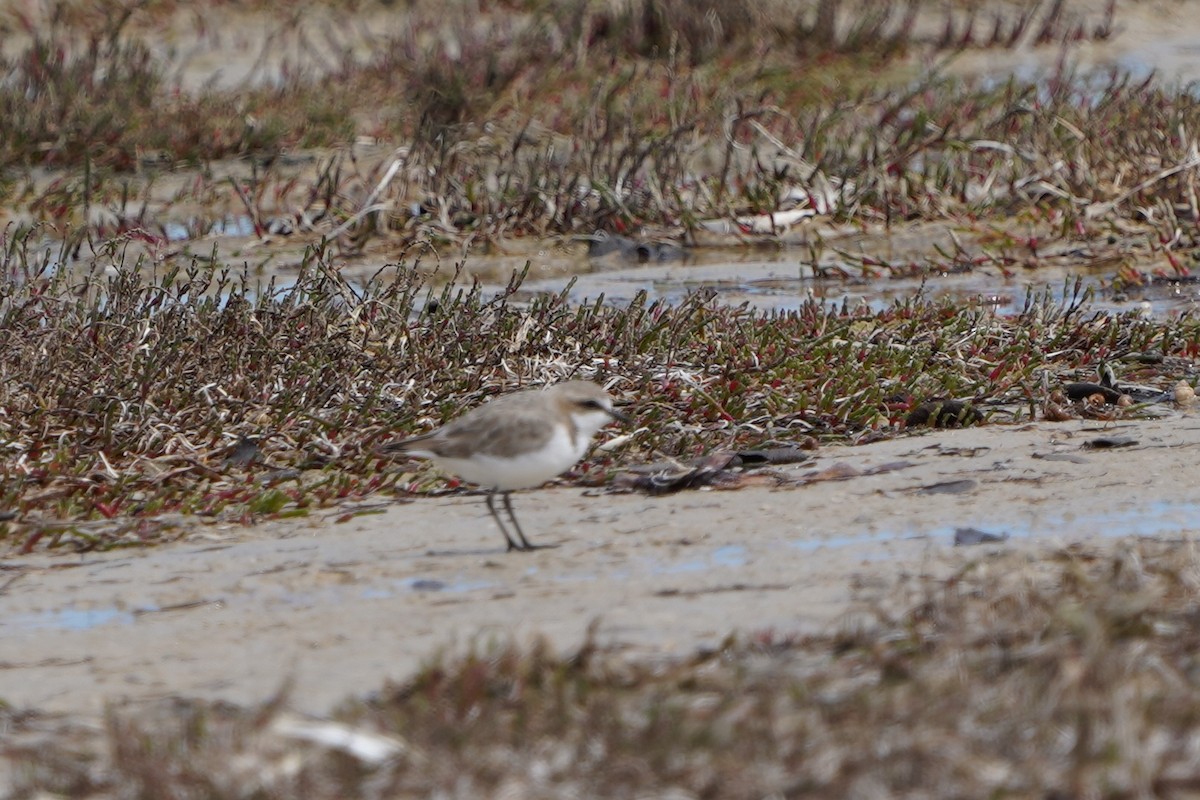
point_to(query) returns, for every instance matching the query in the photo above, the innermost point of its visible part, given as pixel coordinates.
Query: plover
(518, 441)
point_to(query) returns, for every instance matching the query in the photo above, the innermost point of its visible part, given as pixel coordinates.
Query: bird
(518, 441)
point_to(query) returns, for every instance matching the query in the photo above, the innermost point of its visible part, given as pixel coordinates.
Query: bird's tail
(403, 446)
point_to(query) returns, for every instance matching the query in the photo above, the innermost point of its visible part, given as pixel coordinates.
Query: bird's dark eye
(592, 404)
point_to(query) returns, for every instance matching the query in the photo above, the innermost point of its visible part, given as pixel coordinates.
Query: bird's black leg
(491, 499)
(525, 542)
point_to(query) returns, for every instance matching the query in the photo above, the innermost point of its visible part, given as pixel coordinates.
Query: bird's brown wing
(502, 426)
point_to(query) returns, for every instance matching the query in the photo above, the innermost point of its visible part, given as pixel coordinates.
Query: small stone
(1185, 395)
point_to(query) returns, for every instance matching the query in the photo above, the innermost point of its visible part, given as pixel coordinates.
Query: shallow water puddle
(82, 619)
(1156, 518)
(722, 557)
(70, 619)
(780, 279)
(870, 540)
(784, 282)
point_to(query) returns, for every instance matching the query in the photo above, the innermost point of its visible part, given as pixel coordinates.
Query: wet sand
(339, 608)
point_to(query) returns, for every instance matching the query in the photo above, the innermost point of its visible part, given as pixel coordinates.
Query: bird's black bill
(619, 416)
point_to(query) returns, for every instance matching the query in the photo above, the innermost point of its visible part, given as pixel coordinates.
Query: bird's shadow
(491, 551)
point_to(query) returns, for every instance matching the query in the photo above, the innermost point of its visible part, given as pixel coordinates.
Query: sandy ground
(341, 608)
